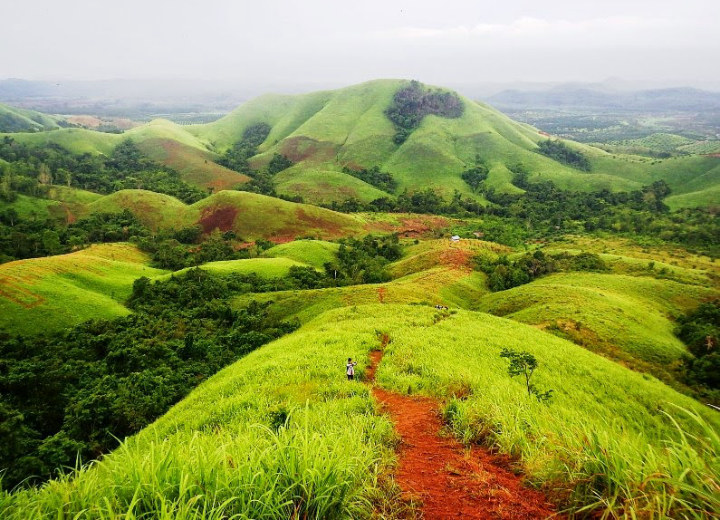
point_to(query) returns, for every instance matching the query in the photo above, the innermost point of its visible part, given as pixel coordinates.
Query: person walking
(350, 369)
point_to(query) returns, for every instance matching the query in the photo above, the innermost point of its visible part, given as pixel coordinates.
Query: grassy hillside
(618, 315)
(324, 131)
(250, 215)
(48, 294)
(312, 252)
(269, 438)
(263, 267)
(13, 119)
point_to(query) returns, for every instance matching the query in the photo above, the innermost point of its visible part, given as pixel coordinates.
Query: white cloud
(626, 30)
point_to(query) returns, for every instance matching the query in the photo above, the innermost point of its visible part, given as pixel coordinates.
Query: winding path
(449, 480)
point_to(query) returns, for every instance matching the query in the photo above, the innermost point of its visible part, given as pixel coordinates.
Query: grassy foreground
(282, 434)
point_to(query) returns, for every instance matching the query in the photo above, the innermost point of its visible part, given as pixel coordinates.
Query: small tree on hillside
(525, 364)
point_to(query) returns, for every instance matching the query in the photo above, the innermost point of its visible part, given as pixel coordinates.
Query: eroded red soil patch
(449, 480)
(302, 148)
(218, 218)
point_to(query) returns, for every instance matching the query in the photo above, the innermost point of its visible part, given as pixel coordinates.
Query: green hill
(48, 294)
(269, 438)
(13, 119)
(322, 132)
(250, 215)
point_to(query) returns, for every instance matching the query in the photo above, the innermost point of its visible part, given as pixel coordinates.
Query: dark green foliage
(238, 156)
(32, 238)
(504, 273)
(474, 177)
(700, 331)
(32, 169)
(76, 392)
(413, 102)
(559, 151)
(373, 176)
(363, 261)
(525, 364)
(278, 163)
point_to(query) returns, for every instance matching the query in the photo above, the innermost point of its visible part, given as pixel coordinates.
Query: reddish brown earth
(449, 480)
(221, 218)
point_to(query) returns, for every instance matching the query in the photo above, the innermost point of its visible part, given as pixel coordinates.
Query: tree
(525, 364)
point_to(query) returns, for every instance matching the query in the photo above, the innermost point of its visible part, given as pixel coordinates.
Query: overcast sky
(439, 41)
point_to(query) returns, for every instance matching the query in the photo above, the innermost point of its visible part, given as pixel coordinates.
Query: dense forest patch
(556, 149)
(415, 101)
(33, 170)
(373, 176)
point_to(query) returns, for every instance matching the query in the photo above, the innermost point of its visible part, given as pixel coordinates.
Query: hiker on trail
(351, 369)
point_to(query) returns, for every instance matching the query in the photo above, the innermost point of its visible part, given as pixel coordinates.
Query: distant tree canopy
(237, 157)
(412, 103)
(504, 273)
(373, 176)
(278, 163)
(31, 170)
(556, 149)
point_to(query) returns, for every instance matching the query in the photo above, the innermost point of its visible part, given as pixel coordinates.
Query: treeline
(31, 238)
(75, 392)
(504, 273)
(412, 103)
(32, 170)
(238, 158)
(545, 210)
(373, 176)
(559, 151)
(700, 331)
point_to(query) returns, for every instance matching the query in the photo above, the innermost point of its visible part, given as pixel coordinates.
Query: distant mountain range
(681, 99)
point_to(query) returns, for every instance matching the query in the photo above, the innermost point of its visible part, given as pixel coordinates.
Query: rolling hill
(13, 119)
(48, 294)
(322, 132)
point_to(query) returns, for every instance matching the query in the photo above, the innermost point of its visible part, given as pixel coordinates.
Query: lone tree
(524, 363)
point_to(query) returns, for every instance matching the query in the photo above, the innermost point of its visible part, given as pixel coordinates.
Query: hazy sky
(439, 41)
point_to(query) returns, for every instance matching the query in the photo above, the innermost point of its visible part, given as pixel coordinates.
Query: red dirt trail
(449, 480)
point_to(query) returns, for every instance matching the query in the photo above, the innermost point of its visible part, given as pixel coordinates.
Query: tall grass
(280, 434)
(612, 442)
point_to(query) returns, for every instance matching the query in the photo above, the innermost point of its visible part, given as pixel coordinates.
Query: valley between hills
(535, 320)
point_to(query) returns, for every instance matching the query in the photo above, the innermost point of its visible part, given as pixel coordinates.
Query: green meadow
(48, 294)
(281, 433)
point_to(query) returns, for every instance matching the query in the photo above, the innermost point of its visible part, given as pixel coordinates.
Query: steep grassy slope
(324, 131)
(282, 432)
(619, 315)
(196, 167)
(48, 294)
(13, 119)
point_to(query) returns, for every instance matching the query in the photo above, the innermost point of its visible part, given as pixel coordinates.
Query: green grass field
(618, 314)
(281, 432)
(263, 267)
(49, 294)
(312, 252)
